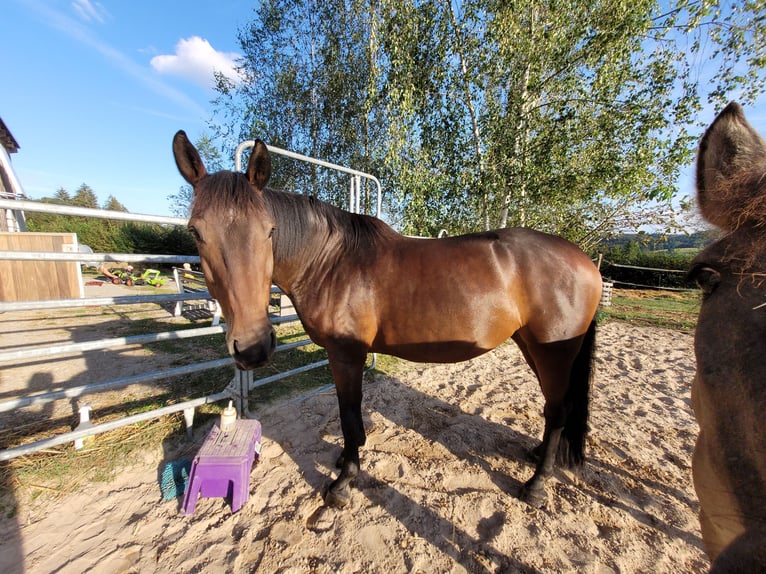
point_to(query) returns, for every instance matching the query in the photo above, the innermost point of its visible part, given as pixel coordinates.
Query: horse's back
(455, 298)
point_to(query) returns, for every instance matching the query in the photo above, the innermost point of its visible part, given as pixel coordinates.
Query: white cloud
(90, 11)
(62, 21)
(196, 60)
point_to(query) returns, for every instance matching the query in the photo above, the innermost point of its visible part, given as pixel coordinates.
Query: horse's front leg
(347, 369)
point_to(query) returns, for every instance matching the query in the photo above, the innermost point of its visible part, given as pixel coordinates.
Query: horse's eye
(194, 233)
(271, 233)
(707, 278)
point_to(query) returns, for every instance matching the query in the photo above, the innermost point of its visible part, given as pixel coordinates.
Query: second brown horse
(729, 389)
(360, 287)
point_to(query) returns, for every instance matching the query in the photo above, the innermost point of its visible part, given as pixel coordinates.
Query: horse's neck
(298, 245)
(312, 239)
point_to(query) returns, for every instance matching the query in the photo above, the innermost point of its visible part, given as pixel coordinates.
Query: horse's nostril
(249, 355)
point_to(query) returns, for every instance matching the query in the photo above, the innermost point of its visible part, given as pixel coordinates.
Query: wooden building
(10, 188)
(31, 280)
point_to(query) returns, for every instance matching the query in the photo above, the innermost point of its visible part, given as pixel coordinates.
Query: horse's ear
(187, 158)
(729, 152)
(259, 165)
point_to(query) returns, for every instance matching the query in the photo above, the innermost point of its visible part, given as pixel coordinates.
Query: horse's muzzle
(250, 354)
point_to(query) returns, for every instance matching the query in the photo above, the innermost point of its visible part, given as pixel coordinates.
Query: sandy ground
(437, 493)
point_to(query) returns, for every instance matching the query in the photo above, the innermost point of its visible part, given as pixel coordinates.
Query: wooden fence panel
(39, 280)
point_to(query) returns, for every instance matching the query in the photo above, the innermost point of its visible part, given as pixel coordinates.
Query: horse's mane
(226, 190)
(299, 218)
(741, 201)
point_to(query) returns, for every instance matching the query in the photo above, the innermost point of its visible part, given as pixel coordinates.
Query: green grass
(667, 309)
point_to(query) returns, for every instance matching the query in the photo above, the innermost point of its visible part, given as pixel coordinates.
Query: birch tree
(310, 85)
(574, 117)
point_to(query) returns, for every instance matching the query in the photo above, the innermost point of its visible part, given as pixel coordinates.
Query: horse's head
(731, 193)
(233, 230)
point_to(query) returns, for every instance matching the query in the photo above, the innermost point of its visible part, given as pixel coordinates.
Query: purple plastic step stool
(222, 465)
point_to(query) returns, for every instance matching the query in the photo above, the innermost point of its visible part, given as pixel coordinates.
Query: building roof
(7, 139)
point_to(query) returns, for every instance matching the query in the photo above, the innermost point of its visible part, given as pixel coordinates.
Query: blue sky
(93, 91)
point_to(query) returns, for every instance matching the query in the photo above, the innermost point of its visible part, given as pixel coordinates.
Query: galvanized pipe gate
(240, 385)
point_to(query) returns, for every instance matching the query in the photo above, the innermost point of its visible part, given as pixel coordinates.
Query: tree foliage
(311, 85)
(573, 117)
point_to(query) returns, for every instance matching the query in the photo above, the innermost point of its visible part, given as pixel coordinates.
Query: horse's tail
(577, 401)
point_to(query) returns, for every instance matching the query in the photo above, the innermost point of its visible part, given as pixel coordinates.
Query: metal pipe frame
(353, 196)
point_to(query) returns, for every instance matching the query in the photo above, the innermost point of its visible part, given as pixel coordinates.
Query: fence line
(187, 407)
(633, 284)
(47, 351)
(658, 287)
(621, 266)
(94, 301)
(40, 207)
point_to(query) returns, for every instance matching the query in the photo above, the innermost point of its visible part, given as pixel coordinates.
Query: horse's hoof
(337, 498)
(534, 496)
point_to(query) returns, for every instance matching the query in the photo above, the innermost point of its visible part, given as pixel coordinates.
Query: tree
(61, 196)
(111, 204)
(570, 116)
(85, 197)
(311, 85)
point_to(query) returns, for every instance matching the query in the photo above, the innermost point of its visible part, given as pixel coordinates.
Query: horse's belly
(444, 340)
(433, 352)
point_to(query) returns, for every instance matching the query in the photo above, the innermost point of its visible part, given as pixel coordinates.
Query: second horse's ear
(187, 158)
(730, 152)
(259, 166)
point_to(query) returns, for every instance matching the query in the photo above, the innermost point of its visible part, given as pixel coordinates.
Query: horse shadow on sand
(474, 439)
(467, 436)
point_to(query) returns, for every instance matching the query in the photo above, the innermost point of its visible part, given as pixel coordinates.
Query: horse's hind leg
(533, 491)
(347, 368)
(536, 453)
(552, 362)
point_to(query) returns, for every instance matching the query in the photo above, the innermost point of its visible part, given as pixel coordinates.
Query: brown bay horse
(360, 287)
(729, 390)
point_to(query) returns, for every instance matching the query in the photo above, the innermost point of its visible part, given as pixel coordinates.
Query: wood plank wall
(39, 280)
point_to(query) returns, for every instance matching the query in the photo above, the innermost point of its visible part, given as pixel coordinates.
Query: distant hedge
(106, 236)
